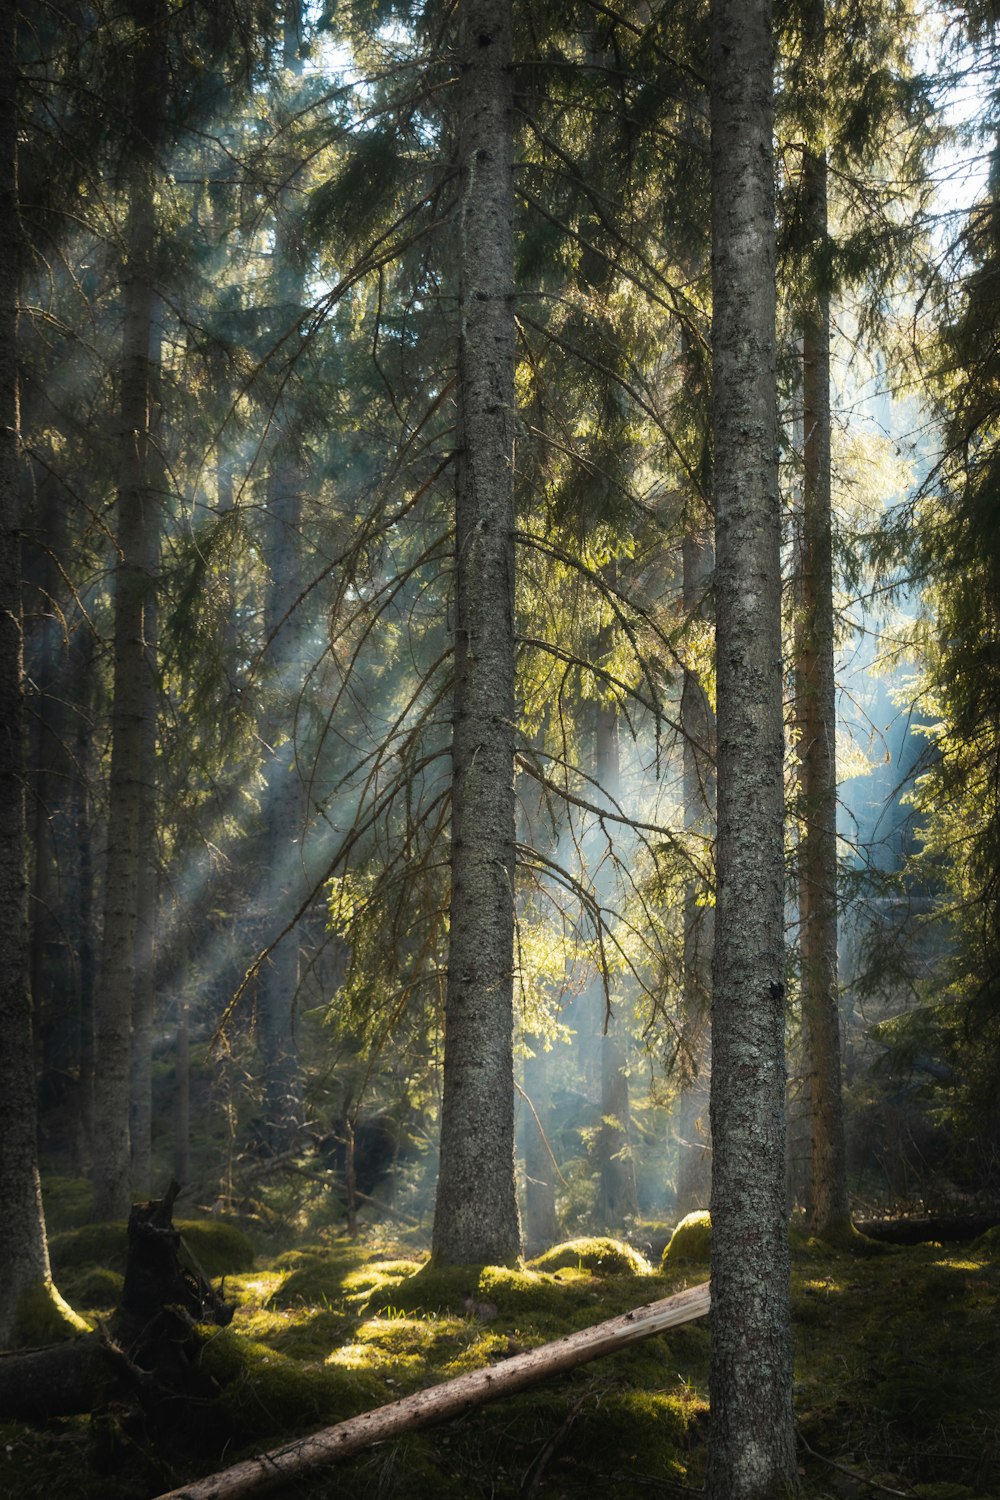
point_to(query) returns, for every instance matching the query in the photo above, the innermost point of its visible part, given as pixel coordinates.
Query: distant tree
(751, 1445)
(137, 538)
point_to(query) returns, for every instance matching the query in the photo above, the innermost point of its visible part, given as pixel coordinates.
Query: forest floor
(897, 1368)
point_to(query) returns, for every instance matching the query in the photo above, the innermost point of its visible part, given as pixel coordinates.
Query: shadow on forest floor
(897, 1359)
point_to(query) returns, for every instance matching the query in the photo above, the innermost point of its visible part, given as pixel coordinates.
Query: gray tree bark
(136, 537)
(751, 1446)
(817, 716)
(284, 809)
(694, 1174)
(476, 1216)
(23, 1250)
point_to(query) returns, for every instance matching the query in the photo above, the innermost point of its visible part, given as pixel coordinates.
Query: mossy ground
(897, 1379)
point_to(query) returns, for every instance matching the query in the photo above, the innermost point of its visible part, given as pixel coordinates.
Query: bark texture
(137, 532)
(23, 1250)
(476, 1217)
(752, 1449)
(817, 715)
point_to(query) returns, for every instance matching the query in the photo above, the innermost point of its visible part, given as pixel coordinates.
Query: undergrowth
(897, 1379)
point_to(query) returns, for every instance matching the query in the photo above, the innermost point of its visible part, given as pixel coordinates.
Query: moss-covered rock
(95, 1287)
(90, 1245)
(220, 1249)
(605, 1257)
(44, 1316)
(691, 1242)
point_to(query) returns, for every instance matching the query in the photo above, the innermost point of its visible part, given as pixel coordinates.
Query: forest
(500, 749)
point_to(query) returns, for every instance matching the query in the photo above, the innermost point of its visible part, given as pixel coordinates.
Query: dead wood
(956, 1229)
(439, 1403)
(148, 1359)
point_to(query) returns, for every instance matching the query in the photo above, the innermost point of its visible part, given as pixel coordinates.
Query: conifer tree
(476, 1216)
(752, 1448)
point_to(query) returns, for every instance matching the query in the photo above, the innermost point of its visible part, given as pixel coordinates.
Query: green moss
(606, 1257)
(297, 1260)
(987, 1247)
(319, 1285)
(95, 1287)
(90, 1245)
(44, 1317)
(690, 1243)
(219, 1248)
(450, 1289)
(264, 1391)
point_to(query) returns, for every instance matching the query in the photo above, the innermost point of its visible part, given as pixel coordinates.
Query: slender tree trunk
(752, 1445)
(23, 1250)
(82, 653)
(182, 1096)
(617, 1199)
(817, 714)
(136, 543)
(144, 1004)
(53, 1017)
(698, 726)
(476, 1217)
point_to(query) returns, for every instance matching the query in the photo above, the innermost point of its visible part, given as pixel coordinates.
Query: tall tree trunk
(698, 726)
(817, 715)
(284, 810)
(23, 1250)
(137, 531)
(476, 1216)
(752, 1444)
(147, 895)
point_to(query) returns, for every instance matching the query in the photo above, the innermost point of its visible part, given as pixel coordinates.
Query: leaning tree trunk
(23, 1251)
(136, 538)
(817, 716)
(698, 727)
(752, 1444)
(476, 1217)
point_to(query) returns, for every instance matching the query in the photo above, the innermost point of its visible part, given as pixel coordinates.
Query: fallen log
(455, 1397)
(955, 1229)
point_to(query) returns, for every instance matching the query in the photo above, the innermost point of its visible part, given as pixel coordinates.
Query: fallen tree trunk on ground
(955, 1229)
(452, 1399)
